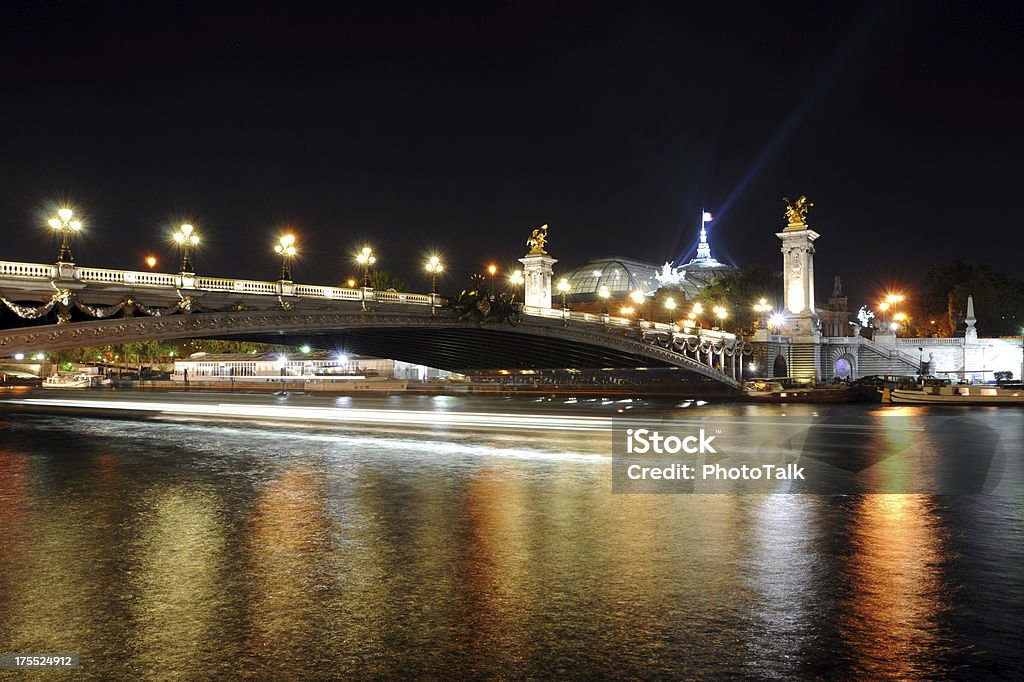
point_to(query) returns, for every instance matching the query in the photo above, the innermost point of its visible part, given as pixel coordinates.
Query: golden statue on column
(537, 240)
(796, 211)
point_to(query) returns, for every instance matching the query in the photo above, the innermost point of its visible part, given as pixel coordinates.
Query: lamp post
(604, 294)
(286, 249)
(897, 321)
(563, 289)
(670, 305)
(697, 311)
(762, 309)
(67, 227)
(366, 259)
(492, 270)
(434, 267)
(516, 280)
(890, 301)
(186, 238)
(638, 298)
(721, 313)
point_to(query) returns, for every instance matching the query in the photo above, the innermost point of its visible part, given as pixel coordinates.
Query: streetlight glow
(434, 267)
(604, 294)
(563, 289)
(186, 238)
(366, 259)
(285, 248)
(67, 227)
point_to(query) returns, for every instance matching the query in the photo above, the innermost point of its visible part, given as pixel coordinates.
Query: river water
(182, 547)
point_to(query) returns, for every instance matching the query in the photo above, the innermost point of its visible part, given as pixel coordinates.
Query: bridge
(45, 308)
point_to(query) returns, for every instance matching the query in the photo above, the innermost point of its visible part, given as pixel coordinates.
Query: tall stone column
(798, 278)
(801, 323)
(537, 270)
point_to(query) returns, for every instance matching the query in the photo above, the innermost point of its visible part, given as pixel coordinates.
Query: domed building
(698, 273)
(622, 276)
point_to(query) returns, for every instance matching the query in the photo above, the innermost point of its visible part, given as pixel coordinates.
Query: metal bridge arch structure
(46, 308)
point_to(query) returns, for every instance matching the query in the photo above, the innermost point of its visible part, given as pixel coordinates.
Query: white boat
(355, 383)
(948, 394)
(69, 380)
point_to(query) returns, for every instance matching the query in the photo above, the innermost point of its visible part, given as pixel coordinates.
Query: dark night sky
(462, 129)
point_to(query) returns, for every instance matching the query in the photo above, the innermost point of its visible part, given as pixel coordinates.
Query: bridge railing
(33, 270)
(316, 291)
(51, 273)
(625, 322)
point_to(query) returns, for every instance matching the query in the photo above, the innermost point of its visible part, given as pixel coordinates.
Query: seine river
(175, 546)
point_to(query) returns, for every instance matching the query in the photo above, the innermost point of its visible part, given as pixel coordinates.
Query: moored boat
(69, 380)
(777, 391)
(949, 394)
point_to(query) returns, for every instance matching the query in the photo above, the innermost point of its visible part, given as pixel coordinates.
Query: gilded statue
(796, 211)
(537, 240)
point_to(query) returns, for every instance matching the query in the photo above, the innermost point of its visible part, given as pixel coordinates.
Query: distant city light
(304, 349)
(19, 356)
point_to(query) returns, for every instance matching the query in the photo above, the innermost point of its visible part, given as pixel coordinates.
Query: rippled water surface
(188, 549)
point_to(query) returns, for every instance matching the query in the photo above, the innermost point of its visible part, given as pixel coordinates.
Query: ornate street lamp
(516, 280)
(435, 268)
(721, 313)
(186, 238)
(762, 309)
(492, 270)
(67, 227)
(670, 305)
(285, 248)
(639, 299)
(604, 294)
(563, 289)
(366, 259)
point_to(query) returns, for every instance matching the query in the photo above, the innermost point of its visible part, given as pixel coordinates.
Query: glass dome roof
(620, 275)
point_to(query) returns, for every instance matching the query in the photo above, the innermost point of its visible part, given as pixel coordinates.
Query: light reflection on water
(193, 550)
